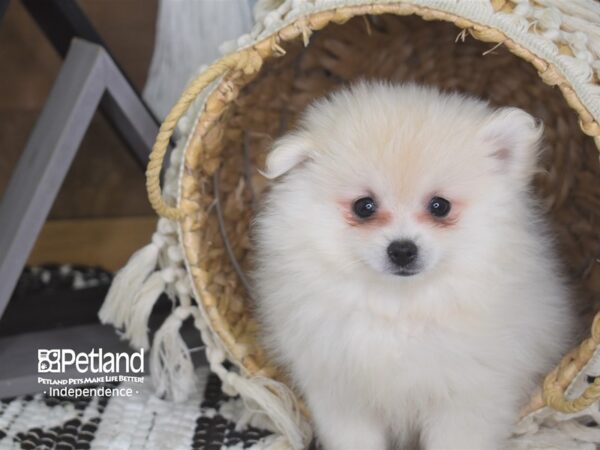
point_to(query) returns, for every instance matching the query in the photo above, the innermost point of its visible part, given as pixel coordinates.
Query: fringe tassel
(116, 308)
(261, 395)
(276, 401)
(279, 443)
(136, 328)
(170, 360)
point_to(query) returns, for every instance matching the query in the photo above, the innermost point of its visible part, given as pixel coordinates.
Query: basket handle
(556, 382)
(249, 62)
(554, 396)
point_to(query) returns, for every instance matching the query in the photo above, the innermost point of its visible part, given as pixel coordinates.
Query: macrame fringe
(136, 328)
(279, 443)
(117, 306)
(550, 430)
(274, 399)
(263, 396)
(171, 363)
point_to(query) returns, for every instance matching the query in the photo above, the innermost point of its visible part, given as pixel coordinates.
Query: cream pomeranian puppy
(403, 275)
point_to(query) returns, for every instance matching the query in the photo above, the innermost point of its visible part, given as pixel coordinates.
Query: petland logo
(96, 361)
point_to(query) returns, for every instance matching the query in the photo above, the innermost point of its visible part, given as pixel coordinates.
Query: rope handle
(556, 382)
(554, 396)
(249, 61)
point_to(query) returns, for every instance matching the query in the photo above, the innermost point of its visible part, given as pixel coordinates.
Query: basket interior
(392, 48)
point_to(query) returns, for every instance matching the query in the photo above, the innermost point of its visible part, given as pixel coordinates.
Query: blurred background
(55, 268)
(101, 214)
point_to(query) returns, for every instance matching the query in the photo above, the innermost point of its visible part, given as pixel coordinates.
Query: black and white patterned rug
(208, 420)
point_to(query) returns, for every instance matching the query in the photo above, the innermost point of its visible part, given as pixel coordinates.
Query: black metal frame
(87, 78)
(62, 21)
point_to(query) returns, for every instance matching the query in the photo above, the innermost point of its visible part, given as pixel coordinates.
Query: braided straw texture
(262, 89)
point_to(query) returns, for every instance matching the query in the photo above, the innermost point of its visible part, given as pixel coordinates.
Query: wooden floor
(104, 182)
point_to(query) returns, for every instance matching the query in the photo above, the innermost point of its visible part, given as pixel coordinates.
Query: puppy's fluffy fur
(447, 355)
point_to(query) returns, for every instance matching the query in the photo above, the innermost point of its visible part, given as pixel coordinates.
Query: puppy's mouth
(406, 272)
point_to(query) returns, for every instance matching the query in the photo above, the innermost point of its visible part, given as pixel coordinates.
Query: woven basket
(256, 93)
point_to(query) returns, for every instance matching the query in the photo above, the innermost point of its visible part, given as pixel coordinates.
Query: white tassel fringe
(116, 309)
(136, 328)
(170, 359)
(276, 401)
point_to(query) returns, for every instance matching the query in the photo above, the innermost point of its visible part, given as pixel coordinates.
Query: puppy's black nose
(402, 253)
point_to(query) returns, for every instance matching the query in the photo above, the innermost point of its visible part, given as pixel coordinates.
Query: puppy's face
(399, 181)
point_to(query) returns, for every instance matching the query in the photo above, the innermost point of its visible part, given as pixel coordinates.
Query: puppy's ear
(287, 153)
(513, 137)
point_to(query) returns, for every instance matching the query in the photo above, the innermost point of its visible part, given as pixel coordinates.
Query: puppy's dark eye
(439, 207)
(364, 207)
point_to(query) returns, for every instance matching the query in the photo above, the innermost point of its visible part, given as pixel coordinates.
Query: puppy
(404, 276)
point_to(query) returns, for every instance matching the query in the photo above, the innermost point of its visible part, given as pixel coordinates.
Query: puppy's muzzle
(403, 255)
